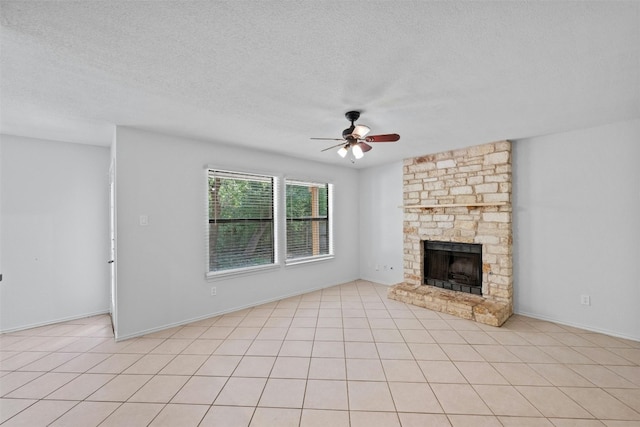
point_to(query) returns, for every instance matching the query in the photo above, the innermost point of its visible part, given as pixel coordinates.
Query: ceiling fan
(355, 138)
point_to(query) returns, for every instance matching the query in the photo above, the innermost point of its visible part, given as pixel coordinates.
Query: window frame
(330, 248)
(279, 223)
(275, 201)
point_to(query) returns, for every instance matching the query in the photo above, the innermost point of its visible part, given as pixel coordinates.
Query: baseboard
(54, 321)
(377, 281)
(578, 325)
(220, 313)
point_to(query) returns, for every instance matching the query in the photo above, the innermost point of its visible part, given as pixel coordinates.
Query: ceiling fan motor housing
(346, 134)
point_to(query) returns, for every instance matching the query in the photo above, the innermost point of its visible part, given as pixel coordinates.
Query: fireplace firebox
(454, 266)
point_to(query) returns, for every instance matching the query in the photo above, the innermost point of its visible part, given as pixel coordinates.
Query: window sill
(310, 260)
(226, 274)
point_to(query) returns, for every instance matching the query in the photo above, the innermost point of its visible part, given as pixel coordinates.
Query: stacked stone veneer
(475, 175)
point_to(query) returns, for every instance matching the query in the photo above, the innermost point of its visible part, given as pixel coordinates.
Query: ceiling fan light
(342, 152)
(360, 131)
(357, 151)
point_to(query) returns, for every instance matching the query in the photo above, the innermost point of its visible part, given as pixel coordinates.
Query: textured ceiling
(272, 74)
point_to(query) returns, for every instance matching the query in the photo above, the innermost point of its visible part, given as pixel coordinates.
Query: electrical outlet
(585, 300)
(213, 291)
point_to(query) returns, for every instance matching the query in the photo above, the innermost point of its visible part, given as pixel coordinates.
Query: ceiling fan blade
(365, 147)
(329, 139)
(389, 137)
(333, 146)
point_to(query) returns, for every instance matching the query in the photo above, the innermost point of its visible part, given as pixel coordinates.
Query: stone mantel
(452, 205)
(460, 196)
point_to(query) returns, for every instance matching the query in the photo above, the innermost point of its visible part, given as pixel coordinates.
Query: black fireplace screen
(455, 266)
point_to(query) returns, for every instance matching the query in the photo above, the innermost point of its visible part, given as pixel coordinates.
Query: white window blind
(308, 220)
(241, 220)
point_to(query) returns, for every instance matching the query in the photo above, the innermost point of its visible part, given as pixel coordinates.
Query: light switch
(144, 220)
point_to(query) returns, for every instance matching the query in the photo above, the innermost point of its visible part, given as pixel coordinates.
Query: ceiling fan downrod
(352, 116)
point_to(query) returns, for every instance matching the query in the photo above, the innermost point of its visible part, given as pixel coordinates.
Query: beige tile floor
(343, 356)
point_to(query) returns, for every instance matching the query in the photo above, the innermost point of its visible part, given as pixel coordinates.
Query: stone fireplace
(458, 233)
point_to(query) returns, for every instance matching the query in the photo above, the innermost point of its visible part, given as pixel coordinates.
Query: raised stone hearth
(461, 196)
(464, 305)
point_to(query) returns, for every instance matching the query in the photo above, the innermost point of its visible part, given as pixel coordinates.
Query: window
(307, 222)
(241, 221)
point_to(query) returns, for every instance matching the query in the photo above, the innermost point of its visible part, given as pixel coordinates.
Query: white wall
(161, 267)
(54, 225)
(381, 238)
(577, 227)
